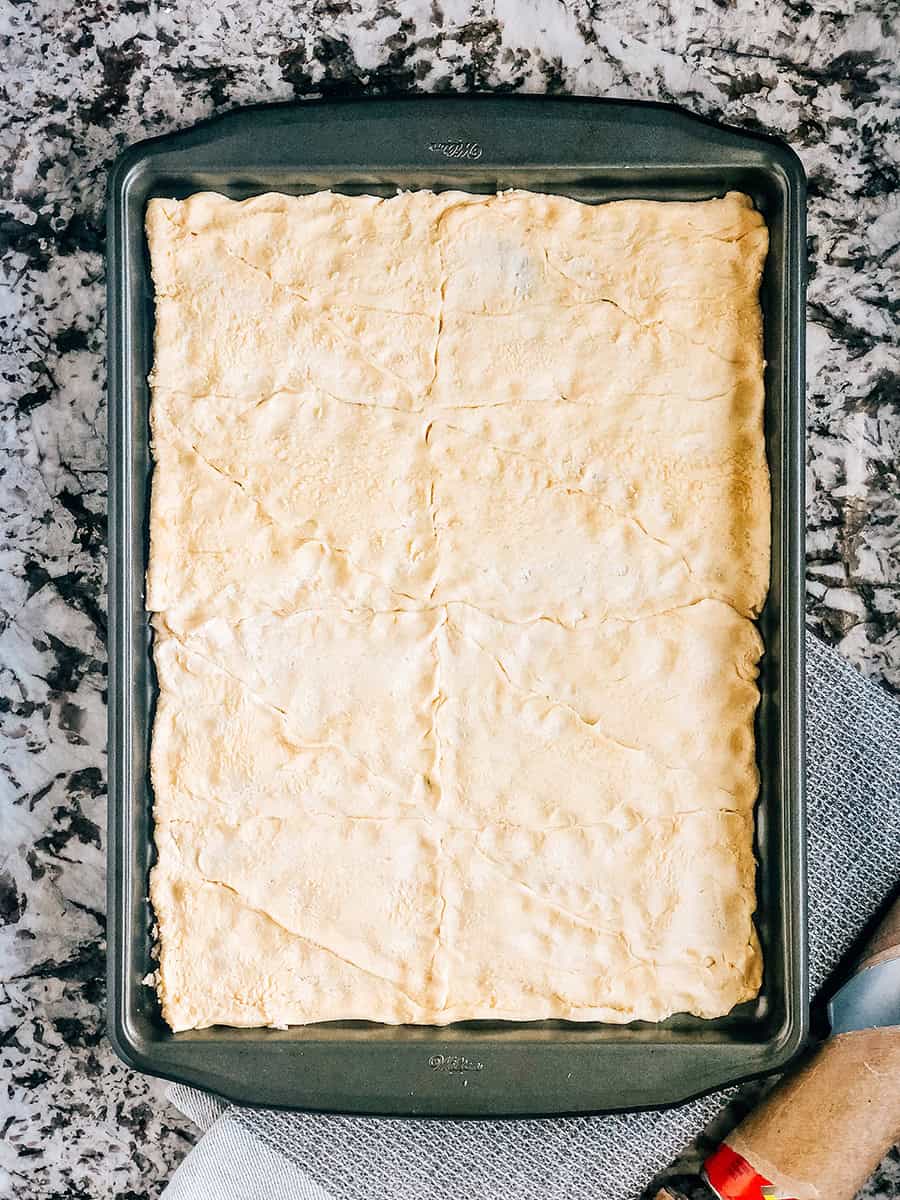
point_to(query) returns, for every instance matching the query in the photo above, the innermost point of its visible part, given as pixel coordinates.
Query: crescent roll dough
(459, 526)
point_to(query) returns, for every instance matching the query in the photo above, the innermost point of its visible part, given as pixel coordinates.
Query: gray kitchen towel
(853, 752)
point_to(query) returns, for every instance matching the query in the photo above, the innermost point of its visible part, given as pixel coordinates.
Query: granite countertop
(83, 80)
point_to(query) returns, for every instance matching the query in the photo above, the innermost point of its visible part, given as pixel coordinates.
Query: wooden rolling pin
(823, 1129)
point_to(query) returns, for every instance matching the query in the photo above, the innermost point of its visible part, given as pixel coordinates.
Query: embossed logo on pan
(456, 149)
(453, 1064)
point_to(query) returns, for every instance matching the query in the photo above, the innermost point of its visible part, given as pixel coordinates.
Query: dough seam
(593, 726)
(295, 933)
(300, 742)
(276, 523)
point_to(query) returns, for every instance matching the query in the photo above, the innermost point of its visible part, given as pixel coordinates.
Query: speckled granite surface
(80, 81)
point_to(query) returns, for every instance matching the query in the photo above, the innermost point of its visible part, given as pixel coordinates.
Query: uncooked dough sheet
(459, 524)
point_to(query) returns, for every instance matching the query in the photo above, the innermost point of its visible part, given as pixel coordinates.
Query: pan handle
(419, 132)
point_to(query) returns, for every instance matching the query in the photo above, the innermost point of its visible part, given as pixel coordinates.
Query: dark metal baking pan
(594, 151)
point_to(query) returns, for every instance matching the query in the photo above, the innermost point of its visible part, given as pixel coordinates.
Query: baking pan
(594, 151)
